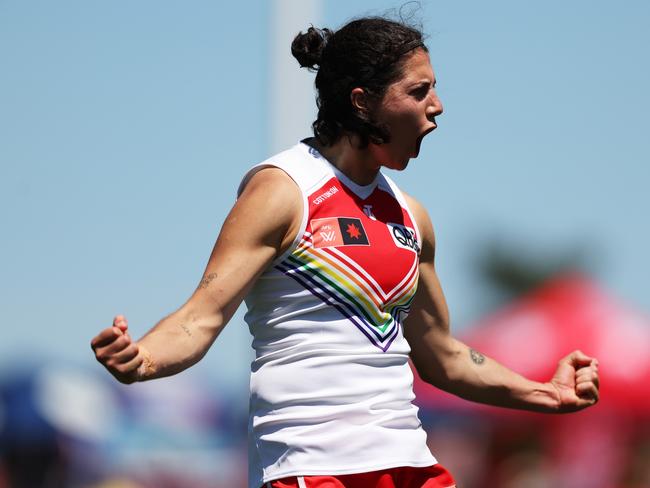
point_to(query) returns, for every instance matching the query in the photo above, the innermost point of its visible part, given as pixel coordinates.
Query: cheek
(404, 125)
(404, 115)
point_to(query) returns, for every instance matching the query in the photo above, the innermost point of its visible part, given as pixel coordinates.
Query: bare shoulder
(424, 224)
(272, 182)
(272, 201)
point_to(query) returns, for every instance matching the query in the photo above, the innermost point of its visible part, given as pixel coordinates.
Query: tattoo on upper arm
(206, 281)
(476, 356)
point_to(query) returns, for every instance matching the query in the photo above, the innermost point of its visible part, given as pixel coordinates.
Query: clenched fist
(118, 353)
(576, 382)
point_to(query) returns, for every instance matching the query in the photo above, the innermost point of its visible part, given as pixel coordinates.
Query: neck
(357, 164)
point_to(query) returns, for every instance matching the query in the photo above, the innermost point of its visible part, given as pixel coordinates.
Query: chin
(395, 161)
(399, 165)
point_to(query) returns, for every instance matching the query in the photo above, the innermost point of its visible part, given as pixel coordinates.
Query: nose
(434, 108)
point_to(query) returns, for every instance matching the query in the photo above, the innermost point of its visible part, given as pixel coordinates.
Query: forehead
(417, 67)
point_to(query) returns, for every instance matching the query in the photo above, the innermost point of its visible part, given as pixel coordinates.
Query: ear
(359, 99)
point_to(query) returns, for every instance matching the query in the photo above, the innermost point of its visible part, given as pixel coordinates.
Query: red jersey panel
(360, 255)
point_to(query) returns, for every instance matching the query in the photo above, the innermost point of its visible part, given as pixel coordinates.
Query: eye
(421, 92)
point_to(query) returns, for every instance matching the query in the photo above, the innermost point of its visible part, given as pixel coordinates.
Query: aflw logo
(328, 236)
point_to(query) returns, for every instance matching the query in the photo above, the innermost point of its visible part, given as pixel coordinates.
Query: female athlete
(330, 257)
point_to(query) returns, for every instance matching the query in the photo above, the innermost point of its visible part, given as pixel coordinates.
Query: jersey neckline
(362, 191)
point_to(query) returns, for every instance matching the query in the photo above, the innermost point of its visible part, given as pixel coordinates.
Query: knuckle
(124, 368)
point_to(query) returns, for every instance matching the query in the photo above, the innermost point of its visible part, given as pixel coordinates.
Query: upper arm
(429, 305)
(427, 326)
(261, 225)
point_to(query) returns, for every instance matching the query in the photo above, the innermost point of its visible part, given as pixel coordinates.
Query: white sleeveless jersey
(331, 386)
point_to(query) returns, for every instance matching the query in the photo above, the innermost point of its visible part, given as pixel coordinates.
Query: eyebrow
(419, 83)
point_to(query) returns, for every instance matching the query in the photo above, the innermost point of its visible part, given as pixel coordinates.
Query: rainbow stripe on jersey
(336, 279)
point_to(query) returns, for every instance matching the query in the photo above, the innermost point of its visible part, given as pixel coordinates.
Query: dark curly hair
(368, 53)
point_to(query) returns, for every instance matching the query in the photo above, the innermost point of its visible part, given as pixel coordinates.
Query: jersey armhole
(305, 207)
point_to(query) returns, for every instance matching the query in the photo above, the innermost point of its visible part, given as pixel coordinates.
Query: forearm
(469, 374)
(176, 342)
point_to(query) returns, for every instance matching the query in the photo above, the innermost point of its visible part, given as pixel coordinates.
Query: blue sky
(126, 126)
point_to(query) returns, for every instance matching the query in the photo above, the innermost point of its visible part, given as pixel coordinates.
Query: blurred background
(125, 128)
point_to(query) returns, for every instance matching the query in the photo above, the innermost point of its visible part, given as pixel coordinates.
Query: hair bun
(308, 47)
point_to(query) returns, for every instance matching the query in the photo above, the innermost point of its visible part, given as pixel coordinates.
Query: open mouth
(419, 141)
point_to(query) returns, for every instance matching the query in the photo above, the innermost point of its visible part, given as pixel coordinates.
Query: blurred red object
(567, 313)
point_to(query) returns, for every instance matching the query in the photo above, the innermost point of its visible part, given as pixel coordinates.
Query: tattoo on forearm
(186, 329)
(206, 281)
(476, 356)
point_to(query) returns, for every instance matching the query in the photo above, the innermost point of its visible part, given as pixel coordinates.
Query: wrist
(147, 369)
(545, 398)
(536, 397)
